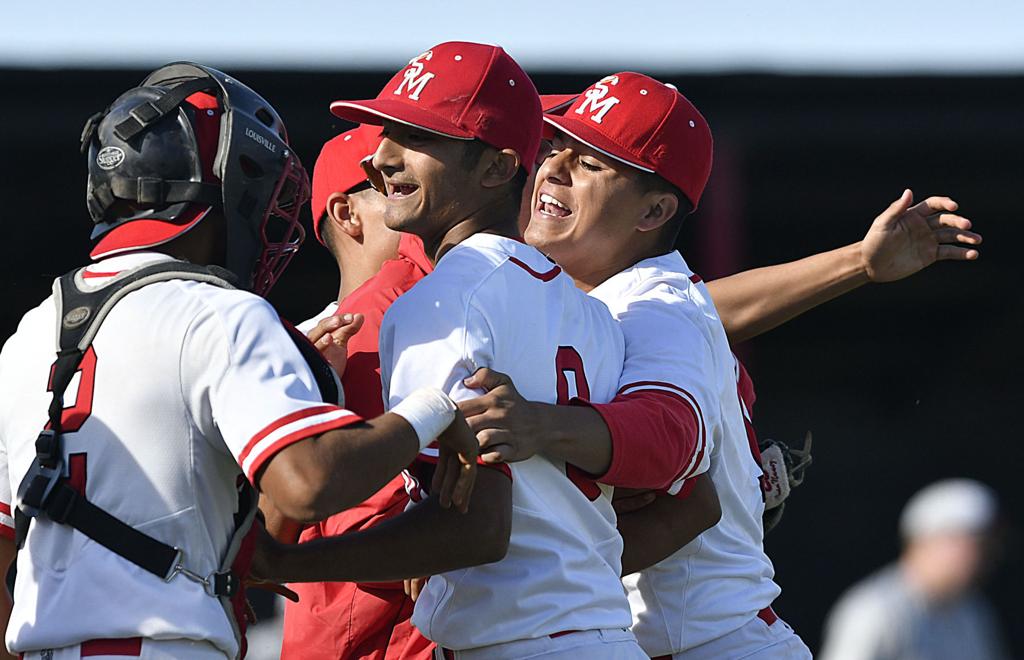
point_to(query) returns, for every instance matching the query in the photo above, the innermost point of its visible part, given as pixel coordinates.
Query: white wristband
(429, 411)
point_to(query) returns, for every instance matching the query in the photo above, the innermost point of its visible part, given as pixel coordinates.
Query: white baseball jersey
(675, 341)
(184, 383)
(495, 302)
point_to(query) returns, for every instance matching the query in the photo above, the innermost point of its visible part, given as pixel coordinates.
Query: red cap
(644, 123)
(557, 104)
(150, 232)
(554, 104)
(460, 90)
(339, 167)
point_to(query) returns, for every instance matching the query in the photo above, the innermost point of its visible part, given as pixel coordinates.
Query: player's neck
(593, 270)
(492, 218)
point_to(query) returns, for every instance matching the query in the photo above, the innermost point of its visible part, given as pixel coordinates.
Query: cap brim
(145, 233)
(375, 111)
(556, 104)
(593, 139)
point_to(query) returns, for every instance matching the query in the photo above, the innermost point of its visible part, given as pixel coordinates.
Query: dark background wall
(902, 383)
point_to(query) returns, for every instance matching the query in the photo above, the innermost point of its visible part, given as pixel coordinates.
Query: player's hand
(628, 500)
(904, 238)
(506, 425)
(267, 556)
(331, 335)
(414, 587)
(456, 465)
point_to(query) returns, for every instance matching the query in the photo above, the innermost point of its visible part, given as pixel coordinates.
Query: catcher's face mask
(260, 183)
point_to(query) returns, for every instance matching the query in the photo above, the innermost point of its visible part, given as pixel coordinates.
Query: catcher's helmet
(143, 150)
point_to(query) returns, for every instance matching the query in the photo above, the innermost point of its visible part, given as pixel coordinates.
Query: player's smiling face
(425, 179)
(586, 209)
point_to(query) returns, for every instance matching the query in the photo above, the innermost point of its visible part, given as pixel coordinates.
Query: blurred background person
(925, 606)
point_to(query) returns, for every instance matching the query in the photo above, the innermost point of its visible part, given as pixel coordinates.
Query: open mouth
(401, 190)
(548, 205)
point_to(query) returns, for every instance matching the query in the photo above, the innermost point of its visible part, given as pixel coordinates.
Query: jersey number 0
(572, 384)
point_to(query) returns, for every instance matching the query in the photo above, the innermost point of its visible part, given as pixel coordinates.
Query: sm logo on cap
(597, 100)
(414, 79)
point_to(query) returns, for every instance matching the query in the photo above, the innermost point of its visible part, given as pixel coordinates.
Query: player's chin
(401, 220)
(547, 234)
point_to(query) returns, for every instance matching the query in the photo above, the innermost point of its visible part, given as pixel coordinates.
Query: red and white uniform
(342, 620)
(187, 387)
(719, 582)
(495, 302)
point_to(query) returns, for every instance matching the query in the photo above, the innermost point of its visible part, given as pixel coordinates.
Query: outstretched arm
(901, 241)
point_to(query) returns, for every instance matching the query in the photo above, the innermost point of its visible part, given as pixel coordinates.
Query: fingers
(935, 205)
(488, 439)
(456, 471)
(348, 328)
(463, 490)
(448, 479)
(899, 207)
(475, 406)
(952, 235)
(439, 475)
(488, 419)
(335, 329)
(486, 379)
(414, 587)
(495, 455)
(956, 253)
(940, 220)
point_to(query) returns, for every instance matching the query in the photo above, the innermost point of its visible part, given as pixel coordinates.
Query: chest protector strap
(45, 491)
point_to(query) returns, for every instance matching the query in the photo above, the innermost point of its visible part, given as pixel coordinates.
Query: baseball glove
(784, 469)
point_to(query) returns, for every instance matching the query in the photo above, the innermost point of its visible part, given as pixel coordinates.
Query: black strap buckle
(150, 190)
(46, 446)
(144, 113)
(35, 489)
(89, 130)
(224, 584)
(62, 503)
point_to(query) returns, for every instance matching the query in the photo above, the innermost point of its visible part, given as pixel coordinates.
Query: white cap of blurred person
(924, 606)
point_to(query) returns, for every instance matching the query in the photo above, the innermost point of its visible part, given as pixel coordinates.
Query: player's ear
(658, 208)
(340, 214)
(501, 167)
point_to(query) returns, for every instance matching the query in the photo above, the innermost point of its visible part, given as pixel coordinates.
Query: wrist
(855, 268)
(429, 411)
(550, 430)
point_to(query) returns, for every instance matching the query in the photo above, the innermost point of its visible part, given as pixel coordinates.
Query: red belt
(129, 647)
(767, 615)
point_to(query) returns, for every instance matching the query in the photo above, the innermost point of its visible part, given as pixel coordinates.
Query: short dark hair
(651, 182)
(474, 150)
(327, 233)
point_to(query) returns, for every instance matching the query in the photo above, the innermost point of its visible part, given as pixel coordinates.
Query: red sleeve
(745, 386)
(657, 439)
(6, 521)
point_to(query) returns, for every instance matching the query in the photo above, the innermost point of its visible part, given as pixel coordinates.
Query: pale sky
(806, 36)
